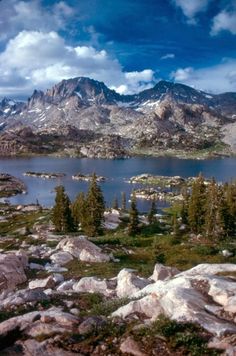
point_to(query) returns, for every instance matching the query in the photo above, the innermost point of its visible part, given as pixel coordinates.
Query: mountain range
(81, 116)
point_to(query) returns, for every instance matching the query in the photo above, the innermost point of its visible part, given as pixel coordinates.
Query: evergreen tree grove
(210, 209)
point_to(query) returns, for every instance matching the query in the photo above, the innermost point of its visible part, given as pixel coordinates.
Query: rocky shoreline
(10, 185)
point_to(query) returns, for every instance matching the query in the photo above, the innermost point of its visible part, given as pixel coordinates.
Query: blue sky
(128, 44)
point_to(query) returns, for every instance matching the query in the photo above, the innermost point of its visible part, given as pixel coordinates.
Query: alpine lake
(117, 173)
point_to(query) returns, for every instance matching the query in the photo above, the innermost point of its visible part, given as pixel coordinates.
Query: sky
(128, 44)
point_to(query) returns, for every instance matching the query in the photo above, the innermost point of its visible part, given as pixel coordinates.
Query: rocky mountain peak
(87, 90)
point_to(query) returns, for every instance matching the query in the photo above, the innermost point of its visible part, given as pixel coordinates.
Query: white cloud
(216, 79)
(168, 56)
(16, 16)
(225, 20)
(191, 8)
(35, 59)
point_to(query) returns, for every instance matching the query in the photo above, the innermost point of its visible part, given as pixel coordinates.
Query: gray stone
(93, 323)
(12, 271)
(83, 249)
(131, 347)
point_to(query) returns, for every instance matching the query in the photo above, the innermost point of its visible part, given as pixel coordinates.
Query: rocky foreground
(43, 311)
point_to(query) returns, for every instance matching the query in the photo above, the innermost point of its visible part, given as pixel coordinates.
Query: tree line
(210, 208)
(86, 212)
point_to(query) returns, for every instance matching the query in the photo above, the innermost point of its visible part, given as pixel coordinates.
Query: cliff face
(167, 116)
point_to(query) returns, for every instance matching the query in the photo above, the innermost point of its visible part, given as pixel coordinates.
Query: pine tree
(79, 210)
(123, 201)
(175, 226)
(61, 216)
(133, 227)
(211, 210)
(225, 219)
(184, 212)
(185, 203)
(196, 207)
(95, 209)
(153, 211)
(115, 204)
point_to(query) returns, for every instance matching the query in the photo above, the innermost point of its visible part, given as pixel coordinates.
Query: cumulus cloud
(191, 8)
(16, 16)
(216, 79)
(168, 56)
(36, 59)
(225, 20)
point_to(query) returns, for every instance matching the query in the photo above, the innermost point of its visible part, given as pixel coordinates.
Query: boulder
(65, 286)
(34, 348)
(208, 268)
(36, 266)
(147, 306)
(131, 347)
(184, 299)
(95, 285)
(24, 323)
(61, 258)
(128, 283)
(21, 297)
(83, 249)
(93, 323)
(162, 272)
(12, 271)
(45, 283)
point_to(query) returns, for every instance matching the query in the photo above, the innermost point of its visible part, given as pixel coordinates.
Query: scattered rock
(95, 285)
(83, 249)
(227, 253)
(128, 283)
(42, 283)
(129, 346)
(34, 348)
(61, 258)
(11, 271)
(36, 266)
(91, 324)
(162, 272)
(22, 297)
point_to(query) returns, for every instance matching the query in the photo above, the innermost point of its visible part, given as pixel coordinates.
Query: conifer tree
(153, 211)
(175, 226)
(95, 209)
(123, 201)
(133, 227)
(79, 210)
(61, 216)
(115, 204)
(196, 207)
(211, 210)
(225, 219)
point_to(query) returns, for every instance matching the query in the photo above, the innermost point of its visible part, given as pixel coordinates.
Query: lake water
(117, 172)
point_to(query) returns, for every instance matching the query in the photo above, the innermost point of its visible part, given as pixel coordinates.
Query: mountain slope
(166, 116)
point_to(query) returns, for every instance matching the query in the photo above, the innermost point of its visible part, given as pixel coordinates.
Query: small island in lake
(10, 185)
(44, 175)
(87, 177)
(163, 181)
